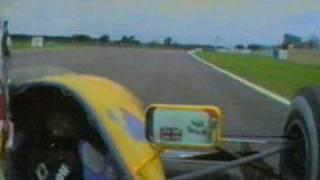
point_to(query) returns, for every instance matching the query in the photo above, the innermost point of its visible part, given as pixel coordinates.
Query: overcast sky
(227, 22)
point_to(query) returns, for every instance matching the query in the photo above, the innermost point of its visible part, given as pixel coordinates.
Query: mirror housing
(183, 127)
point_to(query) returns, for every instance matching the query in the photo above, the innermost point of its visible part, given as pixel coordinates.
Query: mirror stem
(156, 155)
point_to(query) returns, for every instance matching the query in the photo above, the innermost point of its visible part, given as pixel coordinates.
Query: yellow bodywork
(111, 103)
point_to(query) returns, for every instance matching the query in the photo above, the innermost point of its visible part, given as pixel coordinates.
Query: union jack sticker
(170, 134)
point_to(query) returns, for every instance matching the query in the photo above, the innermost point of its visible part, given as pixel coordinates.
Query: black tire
(302, 161)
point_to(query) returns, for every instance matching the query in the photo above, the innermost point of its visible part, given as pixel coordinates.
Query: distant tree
(124, 39)
(254, 47)
(239, 47)
(167, 41)
(222, 47)
(154, 43)
(21, 37)
(131, 38)
(284, 46)
(104, 39)
(81, 38)
(313, 42)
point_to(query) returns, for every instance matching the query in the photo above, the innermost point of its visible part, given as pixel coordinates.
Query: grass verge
(283, 78)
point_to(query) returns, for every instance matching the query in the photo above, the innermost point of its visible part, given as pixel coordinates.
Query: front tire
(302, 161)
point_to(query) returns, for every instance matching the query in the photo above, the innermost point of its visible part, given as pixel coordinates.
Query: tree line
(106, 40)
(313, 42)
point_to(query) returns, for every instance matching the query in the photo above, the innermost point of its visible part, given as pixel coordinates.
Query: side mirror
(182, 127)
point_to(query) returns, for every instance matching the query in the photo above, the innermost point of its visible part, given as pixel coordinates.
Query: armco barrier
(273, 53)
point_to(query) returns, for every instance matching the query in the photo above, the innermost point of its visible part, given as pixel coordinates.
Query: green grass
(26, 46)
(283, 78)
(21, 45)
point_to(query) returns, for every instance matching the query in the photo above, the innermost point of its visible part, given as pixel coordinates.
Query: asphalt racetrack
(170, 76)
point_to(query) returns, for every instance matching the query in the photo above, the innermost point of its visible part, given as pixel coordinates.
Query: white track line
(243, 81)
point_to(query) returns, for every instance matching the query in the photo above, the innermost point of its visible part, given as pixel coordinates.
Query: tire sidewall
(309, 124)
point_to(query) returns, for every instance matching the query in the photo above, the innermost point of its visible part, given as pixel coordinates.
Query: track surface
(170, 76)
